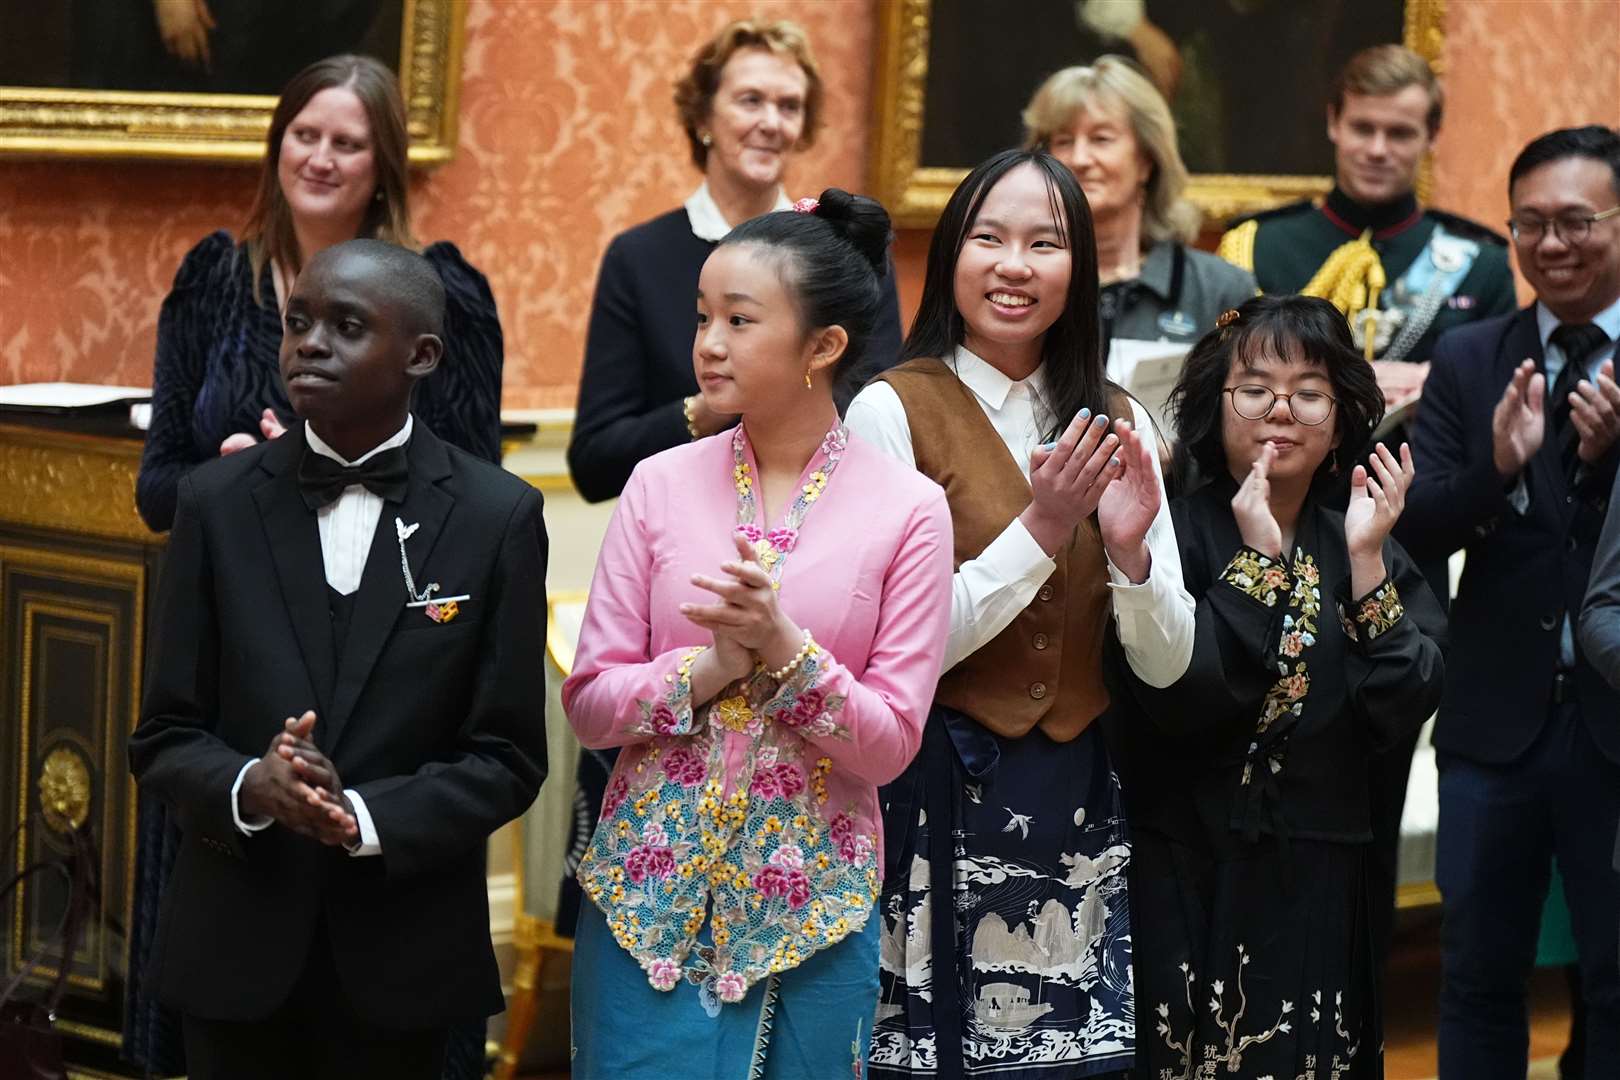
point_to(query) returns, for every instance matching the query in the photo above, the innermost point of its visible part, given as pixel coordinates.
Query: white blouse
(1154, 618)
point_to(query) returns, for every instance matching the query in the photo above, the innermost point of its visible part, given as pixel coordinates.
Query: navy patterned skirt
(1007, 858)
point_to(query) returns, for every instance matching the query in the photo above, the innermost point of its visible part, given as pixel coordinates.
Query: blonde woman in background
(1114, 131)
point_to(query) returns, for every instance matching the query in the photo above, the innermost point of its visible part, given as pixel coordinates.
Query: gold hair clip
(1227, 318)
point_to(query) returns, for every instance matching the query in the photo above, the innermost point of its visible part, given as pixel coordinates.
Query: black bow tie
(321, 480)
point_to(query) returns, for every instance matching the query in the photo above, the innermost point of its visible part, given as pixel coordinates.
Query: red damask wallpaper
(568, 136)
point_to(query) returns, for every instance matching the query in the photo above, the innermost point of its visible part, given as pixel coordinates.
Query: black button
(1549, 621)
(1573, 544)
(1040, 641)
(1045, 593)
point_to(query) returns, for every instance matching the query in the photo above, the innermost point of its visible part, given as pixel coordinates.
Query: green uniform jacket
(1291, 242)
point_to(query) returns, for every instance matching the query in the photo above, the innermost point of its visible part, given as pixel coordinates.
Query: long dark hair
(833, 260)
(1072, 348)
(1295, 329)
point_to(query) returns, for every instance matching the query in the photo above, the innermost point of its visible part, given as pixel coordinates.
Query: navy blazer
(439, 726)
(1524, 572)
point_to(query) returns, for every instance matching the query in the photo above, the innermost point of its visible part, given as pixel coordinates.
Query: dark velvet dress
(1246, 789)
(217, 367)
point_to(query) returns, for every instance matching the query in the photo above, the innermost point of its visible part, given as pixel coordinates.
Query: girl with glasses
(1246, 779)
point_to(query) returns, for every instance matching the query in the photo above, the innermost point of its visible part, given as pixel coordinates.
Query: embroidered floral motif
(773, 546)
(776, 872)
(1222, 1055)
(1286, 698)
(1256, 575)
(672, 714)
(1375, 615)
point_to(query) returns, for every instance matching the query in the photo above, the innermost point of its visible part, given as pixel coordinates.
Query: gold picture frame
(915, 194)
(77, 123)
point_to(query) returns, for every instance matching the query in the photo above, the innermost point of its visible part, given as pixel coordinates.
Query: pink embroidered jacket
(760, 806)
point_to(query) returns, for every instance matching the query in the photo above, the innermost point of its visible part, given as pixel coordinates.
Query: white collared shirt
(1155, 618)
(347, 525)
(349, 522)
(707, 221)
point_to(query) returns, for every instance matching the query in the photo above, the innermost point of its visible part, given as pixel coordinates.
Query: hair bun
(860, 220)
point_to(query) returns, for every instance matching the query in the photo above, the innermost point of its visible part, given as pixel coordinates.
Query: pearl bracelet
(691, 421)
(807, 650)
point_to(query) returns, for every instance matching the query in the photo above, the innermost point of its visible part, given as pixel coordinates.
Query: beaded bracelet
(806, 650)
(691, 421)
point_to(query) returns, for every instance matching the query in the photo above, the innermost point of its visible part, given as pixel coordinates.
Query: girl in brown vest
(1247, 778)
(1006, 944)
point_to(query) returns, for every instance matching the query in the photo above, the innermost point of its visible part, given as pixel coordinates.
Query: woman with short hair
(751, 100)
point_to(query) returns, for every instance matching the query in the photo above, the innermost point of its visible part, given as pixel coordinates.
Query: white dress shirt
(707, 221)
(347, 525)
(1154, 618)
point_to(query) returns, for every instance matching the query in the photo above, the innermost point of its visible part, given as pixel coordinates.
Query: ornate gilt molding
(76, 483)
(915, 195)
(36, 122)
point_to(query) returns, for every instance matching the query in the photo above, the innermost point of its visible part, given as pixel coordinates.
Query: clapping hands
(1376, 502)
(748, 620)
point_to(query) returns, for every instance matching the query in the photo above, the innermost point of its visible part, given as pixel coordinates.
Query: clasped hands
(1092, 469)
(1519, 422)
(298, 786)
(748, 621)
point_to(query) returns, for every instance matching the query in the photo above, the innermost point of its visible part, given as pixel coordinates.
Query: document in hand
(1148, 371)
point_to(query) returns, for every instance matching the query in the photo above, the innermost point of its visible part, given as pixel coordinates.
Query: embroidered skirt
(810, 1023)
(1254, 960)
(1006, 930)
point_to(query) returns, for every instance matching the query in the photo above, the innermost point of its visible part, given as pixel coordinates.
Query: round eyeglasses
(1255, 402)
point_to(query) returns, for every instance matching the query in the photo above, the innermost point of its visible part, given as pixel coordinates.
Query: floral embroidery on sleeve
(1258, 576)
(801, 703)
(671, 714)
(1376, 614)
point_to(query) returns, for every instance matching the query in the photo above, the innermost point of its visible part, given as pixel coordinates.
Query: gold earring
(807, 385)
(706, 139)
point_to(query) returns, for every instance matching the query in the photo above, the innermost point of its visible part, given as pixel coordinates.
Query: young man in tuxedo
(345, 699)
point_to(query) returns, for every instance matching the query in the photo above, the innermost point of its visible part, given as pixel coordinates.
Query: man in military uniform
(1403, 274)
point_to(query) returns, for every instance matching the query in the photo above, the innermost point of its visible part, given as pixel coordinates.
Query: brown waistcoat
(1045, 668)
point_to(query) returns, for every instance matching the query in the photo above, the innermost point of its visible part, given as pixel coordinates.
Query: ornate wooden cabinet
(77, 568)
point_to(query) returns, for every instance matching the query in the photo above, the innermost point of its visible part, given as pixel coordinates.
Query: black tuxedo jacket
(439, 726)
(1524, 572)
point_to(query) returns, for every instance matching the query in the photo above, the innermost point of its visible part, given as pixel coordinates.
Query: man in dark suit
(338, 732)
(1529, 731)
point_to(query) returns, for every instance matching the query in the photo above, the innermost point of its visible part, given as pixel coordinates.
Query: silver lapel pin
(441, 609)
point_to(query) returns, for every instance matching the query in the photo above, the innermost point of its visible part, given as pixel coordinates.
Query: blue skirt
(1006, 948)
(811, 1023)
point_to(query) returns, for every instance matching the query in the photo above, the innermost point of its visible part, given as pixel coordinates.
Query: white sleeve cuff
(369, 843)
(1015, 557)
(247, 828)
(1123, 590)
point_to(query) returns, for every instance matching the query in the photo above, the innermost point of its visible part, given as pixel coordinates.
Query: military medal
(441, 609)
